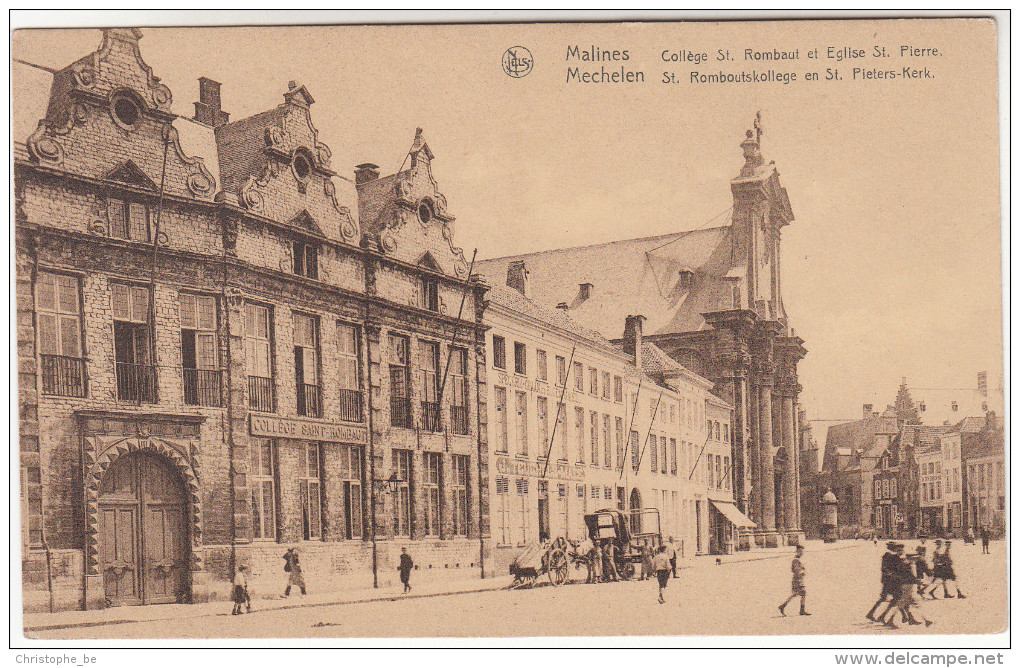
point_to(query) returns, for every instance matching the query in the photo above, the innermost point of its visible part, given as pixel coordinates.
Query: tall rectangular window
(402, 498)
(520, 359)
(594, 435)
(460, 465)
(542, 405)
(428, 361)
(607, 443)
(522, 423)
(60, 351)
(310, 489)
(635, 456)
(351, 458)
(618, 389)
(672, 456)
(561, 371)
(525, 510)
(428, 294)
(199, 354)
(578, 377)
(432, 487)
(306, 259)
(662, 454)
(459, 387)
(498, 352)
(503, 511)
(136, 373)
(263, 490)
(579, 431)
(306, 365)
(605, 385)
(400, 381)
(499, 399)
(542, 365)
(593, 381)
(621, 445)
(561, 431)
(258, 357)
(128, 220)
(349, 371)
(653, 447)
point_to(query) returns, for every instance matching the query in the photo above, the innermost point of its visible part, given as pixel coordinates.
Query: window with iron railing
(428, 360)
(459, 390)
(136, 373)
(306, 365)
(400, 381)
(60, 352)
(199, 356)
(258, 357)
(349, 373)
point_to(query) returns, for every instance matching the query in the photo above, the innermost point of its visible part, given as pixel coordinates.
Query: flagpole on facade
(563, 391)
(630, 429)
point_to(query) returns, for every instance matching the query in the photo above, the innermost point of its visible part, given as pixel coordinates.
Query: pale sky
(891, 268)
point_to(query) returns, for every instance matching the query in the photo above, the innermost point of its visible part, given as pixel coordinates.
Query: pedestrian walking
(671, 553)
(241, 596)
(946, 573)
(292, 566)
(797, 587)
(900, 574)
(596, 562)
(890, 584)
(922, 571)
(609, 554)
(646, 563)
(661, 566)
(584, 551)
(984, 540)
(405, 567)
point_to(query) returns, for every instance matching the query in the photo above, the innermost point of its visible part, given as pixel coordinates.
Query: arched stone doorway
(143, 531)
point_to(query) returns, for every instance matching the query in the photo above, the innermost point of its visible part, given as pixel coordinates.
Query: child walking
(241, 596)
(797, 588)
(661, 566)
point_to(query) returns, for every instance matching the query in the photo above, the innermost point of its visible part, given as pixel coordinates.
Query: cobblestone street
(738, 598)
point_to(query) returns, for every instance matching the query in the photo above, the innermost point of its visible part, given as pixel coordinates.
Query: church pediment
(305, 221)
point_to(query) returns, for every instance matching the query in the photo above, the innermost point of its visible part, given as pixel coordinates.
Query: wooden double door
(144, 545)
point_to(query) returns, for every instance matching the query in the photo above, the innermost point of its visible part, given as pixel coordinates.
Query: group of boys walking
(907, 579)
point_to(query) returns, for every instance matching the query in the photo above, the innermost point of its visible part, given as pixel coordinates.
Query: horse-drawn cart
(549, 558)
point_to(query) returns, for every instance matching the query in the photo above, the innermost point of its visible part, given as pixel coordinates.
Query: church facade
(712, 300)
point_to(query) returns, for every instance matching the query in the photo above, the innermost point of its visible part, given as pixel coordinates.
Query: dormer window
(306, 259)
(687, 280)
(126, 111)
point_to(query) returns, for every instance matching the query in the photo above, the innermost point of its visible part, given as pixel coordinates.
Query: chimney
(586, 290)
(207, 109)
(517, 277)
(365, 172)
(867, 410)
(990, 422)
(632, 338)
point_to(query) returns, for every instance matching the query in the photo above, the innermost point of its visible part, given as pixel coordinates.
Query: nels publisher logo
(517, 62)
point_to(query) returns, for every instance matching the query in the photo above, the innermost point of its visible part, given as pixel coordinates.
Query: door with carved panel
(143, 532)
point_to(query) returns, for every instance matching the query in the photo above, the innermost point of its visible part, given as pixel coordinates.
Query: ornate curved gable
(108, 108)
(407, 213)
(276, 166)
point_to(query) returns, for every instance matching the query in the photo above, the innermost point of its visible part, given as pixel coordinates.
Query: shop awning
(730, 512)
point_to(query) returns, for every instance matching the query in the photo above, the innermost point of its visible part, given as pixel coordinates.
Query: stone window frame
(60, 314)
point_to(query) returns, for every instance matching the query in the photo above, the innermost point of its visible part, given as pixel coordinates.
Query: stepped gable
(274, 165)
(405, 215)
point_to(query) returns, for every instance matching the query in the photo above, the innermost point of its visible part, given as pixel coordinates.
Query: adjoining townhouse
(931, 514)
(983, 472)
(952, 482)
(225, 349)
(574, 426)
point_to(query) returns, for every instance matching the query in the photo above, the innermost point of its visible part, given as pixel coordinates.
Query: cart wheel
(558, 568)
(627, 571)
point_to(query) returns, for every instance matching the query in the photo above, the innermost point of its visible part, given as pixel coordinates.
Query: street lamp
(392, 483)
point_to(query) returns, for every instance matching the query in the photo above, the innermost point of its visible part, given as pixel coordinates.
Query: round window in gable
(424, 211)
(302, 165)
(126, 111)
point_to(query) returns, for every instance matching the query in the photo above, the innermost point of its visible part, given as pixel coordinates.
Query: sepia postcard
(681, 329)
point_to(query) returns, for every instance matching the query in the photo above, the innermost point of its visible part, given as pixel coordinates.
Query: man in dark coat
(292, 565)
(890, 582)
(984, 540)
(406, 564)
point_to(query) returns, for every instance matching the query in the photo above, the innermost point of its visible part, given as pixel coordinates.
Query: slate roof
(633, 276)
(515, 301)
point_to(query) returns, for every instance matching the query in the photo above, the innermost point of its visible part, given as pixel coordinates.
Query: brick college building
(226, 349)
(713, 302)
